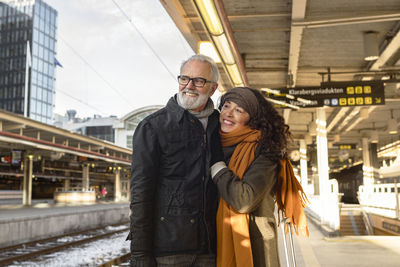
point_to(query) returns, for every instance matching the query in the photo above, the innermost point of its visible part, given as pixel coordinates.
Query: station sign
(346, 146)
(333, 94)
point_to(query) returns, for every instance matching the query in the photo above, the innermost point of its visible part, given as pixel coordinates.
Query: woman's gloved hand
(217, 153)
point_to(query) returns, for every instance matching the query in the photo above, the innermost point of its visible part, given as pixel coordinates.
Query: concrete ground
(321, 251)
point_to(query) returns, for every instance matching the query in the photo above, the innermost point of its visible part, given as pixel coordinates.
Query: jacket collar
(176, 110)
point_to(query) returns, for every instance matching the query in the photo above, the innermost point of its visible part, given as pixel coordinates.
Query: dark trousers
(186, 260)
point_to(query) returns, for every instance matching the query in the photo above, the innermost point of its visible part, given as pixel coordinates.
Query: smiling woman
(253, 137)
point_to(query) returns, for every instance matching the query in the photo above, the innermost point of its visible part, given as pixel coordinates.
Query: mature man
(173, 199)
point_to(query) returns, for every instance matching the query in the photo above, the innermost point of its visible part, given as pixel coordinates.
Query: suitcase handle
(285, 221)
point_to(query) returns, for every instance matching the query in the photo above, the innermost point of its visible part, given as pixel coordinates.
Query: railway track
(34, 249)
(119, 261)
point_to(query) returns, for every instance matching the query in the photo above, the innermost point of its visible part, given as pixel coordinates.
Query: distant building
(98, 126)
(28, 25)
(112, 129)
(126, 126)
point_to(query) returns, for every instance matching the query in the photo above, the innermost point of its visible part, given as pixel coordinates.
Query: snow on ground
(91, 254)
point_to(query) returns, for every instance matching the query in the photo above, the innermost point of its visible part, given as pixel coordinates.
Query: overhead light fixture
(289, 96)
(212, 21)
(235, 74)
(208, 49)
(272, 91)
(392, 124)
(224, 48)
(282, 103)
(210, 16)
(371, 49)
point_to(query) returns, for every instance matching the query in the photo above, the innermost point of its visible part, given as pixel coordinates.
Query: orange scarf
(233, 237)
(291, 198)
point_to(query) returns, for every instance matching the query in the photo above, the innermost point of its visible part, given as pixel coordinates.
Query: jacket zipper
(204, 145)
(205, 191)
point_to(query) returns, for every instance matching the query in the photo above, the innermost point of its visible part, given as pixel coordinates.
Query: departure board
(334, 94)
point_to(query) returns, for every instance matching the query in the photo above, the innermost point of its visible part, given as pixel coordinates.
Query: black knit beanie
(244, 98)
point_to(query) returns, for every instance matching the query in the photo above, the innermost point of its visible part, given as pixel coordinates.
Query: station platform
(320, 250)
(19, 223)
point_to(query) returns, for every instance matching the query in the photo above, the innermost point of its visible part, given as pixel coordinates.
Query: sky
(108, 69)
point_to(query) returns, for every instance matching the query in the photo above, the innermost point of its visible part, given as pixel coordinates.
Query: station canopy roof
(274, 44)
(35, 138)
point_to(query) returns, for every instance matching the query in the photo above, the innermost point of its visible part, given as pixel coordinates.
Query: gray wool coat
(254, 194)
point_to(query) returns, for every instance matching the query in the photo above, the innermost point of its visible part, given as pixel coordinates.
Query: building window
(129, 141)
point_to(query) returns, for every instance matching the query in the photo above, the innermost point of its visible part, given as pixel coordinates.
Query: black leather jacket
(173, 199)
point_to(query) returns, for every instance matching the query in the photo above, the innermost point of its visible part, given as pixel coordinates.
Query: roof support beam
(298, 14)
(346, 122)
(347, 20)
(390, 49)
(231, 38)
(178, 15)
(358, 120)
(16, 126)
(248, 16)
(337, 118)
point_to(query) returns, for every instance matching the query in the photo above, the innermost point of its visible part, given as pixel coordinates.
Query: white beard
(191, 103)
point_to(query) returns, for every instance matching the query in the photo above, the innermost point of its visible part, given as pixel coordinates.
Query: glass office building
(28, 31)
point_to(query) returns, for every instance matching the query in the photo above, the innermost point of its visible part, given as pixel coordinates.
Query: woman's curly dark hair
(275, 132)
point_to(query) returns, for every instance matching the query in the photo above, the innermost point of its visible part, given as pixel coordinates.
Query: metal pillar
(27, 185)
(85, 177)
(117, 184)
(322, 152)
(373, 157)
(323, 167)
(368, 170)
(396, 194)
(67, 184)
(303, 164)
(128, 184)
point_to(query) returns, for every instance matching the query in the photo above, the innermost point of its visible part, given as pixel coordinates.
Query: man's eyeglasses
(197, 81)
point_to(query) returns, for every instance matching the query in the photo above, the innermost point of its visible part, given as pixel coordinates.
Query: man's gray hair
(203, 58)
